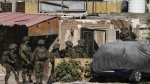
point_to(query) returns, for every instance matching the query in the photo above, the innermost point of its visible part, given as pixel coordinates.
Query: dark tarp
(122, 55)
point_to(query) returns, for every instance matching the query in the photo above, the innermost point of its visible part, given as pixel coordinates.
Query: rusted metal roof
(118, 24)
(11, 19)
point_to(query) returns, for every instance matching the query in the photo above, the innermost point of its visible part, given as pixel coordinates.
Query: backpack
(41, 53)
(4, 54)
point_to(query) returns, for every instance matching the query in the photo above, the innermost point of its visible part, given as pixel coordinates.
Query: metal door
(88, 36)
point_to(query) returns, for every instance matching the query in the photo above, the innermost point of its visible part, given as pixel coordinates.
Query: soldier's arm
(51, 57)
(33, 56)
(23, 56)
(47, 54)
(8, 60)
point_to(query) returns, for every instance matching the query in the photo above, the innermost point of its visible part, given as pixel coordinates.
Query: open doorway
(88, 36)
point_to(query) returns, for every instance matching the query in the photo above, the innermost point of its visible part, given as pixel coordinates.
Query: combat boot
(37, 81)
(6, 82)
(18, 82)
(24, 81)
(29, 79)
(40, 83)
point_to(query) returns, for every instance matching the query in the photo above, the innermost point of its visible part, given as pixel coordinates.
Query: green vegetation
(68, 71)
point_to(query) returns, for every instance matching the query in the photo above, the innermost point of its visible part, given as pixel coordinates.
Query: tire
(135, 77)
(98, 79)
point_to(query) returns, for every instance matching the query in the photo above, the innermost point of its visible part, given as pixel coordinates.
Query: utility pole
(62, 5)
(38, 6)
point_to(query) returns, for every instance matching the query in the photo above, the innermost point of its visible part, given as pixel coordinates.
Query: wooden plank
(43, 28)
(55, 4)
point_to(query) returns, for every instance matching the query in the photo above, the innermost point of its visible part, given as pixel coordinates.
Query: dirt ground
(12, 79)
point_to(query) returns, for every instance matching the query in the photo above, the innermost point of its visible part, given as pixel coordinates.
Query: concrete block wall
(110, 35)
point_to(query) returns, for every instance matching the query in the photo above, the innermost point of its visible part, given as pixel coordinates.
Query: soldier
(40, 54)
(127, 35)
(80, 51)
(4, 56)
(11, 64)
(55, 53)
(25, 53)
(70, 52)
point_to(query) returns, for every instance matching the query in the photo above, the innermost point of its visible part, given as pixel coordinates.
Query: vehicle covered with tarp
(124, 55)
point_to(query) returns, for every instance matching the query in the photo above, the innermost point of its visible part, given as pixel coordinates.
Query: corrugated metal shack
(13, 26)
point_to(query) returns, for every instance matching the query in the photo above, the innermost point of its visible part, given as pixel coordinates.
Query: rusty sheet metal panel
(118, 24)
(10, 19)
(49, 27)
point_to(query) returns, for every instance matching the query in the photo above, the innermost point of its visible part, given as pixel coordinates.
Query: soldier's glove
(28, 62)
(13, 62)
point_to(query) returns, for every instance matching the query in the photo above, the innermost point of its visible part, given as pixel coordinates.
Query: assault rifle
(15, 64)
(28, 56)
(62, 53)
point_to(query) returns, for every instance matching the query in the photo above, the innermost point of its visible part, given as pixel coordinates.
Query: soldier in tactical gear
(25, 53)
(55, 53)
(70, 52)
(11, 63)
(4, 56)
(80, 50)
(40, 54)
(127, 35)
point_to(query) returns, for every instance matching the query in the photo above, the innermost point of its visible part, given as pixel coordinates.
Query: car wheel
(97, 79)
(135, 77)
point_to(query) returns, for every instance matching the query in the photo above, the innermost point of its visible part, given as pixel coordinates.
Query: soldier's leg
(37, 72)
(52, 71)
(16, 76)
(7, 75)
(30, 71)
(41, 72)
(24, 73)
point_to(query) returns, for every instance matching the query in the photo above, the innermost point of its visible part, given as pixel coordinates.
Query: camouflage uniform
(25, 53)
(4, 56)
(54, 54)
(127, 35)
(80, 51)
(40, 54)
(11, 59)
(70, 52)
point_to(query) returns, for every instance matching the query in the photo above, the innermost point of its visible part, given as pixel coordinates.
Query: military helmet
(12, 46)
(56, 46)
(41, 41)
(69, 43)
(26, 38)
(81, 41)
